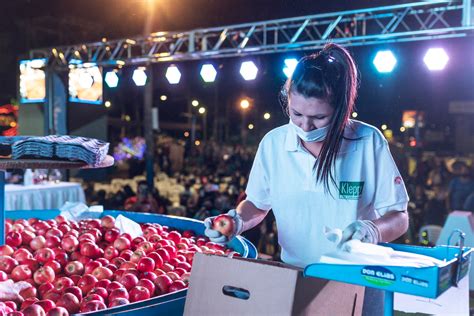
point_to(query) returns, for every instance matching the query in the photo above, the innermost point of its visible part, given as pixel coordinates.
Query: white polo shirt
(283, 178)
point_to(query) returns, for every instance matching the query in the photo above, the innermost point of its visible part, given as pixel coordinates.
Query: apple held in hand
(224, 224)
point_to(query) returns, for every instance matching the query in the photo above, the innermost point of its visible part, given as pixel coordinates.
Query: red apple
(47, 305)
(29, 292)
(87, 283)
(129, 281)
(102, 273)
(44, 288)
(76, 291)
(118, 293)
(147, 284)
(122, 243)
(177, 285)
(137, 255)
(91, 266)
(34, 310)
(103, 283)
(162, 284)
(37, 242)
(13, 239)
(43, 275)
(107, 221)
(113, 286)
(146, 264)
(52, 242)
(118, 302)
(74, 267)
(111, 234)
(70, 243)
(102, 292)
(110, 252)
(62, 283)
(56, 266)
(44, 255)
(6, 250)
(70, 302)
(139, 293)
(3, 276)
(93, 306)
(58, 311)
(21, 273)
(28, 302)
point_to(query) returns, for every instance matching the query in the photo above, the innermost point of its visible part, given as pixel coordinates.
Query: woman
(323, 169)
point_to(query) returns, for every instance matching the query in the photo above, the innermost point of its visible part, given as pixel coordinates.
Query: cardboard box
(224, 286)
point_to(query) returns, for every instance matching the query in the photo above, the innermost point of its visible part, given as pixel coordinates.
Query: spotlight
(111, 79)
(85, 80)
(107, 104)
(202, 110)
(266, 116)
(195, 103)
(384, 127)
(173, 74)
(355, 114)
(436, 59)
(208, 73)
(251, 126)
(163, 98)
(248, 70)
(139, 76)
(290, 65)
(385, 61)
(244, 104)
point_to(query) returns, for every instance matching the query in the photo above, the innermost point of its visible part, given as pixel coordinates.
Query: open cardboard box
(225, 286)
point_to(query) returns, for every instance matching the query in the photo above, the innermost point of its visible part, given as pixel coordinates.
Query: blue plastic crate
(169, 304)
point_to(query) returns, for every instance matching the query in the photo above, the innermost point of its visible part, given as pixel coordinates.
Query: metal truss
(397, 23)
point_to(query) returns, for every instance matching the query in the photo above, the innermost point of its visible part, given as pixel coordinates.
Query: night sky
(382, 98)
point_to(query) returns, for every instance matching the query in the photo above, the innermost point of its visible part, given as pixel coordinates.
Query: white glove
(216, 236)
(10, 291)
(363, 230)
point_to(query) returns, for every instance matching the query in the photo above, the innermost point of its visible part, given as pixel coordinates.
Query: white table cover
(42, 196)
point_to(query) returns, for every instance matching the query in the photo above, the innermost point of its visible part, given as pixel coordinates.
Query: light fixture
(384, 127)
(107, 104)
(290, 65)
(197, 142)
(208, 73)
(436, 59)
(385, 61)
(266, 116)
(244, 104)
(112, 79)
(163, 98)
(173, 74)
(251, 126)
(195, 103)
(402, 129)
(202, 110)
(139, 76)
(355, 114)
(248, 70)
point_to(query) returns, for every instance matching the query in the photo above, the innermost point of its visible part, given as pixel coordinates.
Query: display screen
(32, 81)
(85, 83)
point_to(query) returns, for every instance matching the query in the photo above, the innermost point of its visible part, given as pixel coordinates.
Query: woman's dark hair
(330, 75)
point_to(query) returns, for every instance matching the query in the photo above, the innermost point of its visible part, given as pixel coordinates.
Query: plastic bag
(77, 211)
(126, 225)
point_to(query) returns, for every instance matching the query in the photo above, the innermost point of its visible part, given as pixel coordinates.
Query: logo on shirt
(350, 190)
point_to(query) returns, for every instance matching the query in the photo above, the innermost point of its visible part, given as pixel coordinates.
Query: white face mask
(316, 135)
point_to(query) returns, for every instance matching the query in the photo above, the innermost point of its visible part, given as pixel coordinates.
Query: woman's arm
(392, 225)
(251, 215)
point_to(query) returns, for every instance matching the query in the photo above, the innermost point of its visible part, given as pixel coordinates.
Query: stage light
(290, 65)
(173, 75)
(107, 104)
(163, 98)
(402, 129)
(195, 103)
(355, 114)
(139, 76)
(111, 79)
(251, 126)
(197, 143)
(202, 110)
(266, 116)
(384, 127)
(208, 73)
(244, 104)
(85, 80)
(436, 59)
(186, 134)
(248, 70)
(385, 61)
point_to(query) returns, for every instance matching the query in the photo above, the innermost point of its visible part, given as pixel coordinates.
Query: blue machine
(428, 282)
